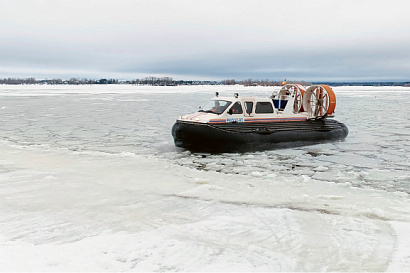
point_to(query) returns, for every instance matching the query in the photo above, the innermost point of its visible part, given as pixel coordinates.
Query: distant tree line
(405, 84)
(155, 81)
(57, 81)
(252, 82)
(18, 81)
(168, 81)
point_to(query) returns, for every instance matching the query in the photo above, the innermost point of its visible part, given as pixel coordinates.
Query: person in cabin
(237, 108)
(216, 108)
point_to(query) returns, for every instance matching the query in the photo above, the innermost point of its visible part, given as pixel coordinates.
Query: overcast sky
(312, 40)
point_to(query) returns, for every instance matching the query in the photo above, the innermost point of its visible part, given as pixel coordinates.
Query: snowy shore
(68, 211)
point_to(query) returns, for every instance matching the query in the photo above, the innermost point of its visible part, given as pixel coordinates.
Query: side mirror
(230, 111)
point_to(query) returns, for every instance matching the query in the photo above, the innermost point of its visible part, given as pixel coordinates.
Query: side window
(248, 107)
(237, 108)
(264, 108)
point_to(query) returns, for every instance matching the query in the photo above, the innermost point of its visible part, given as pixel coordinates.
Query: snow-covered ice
(90, 181)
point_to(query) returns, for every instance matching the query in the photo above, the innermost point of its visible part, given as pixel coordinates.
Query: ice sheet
(126, 212)
(90, 181)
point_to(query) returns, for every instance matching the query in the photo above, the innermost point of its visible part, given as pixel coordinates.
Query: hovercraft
(293, 116)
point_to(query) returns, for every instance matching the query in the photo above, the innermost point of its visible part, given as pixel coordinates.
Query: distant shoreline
(168, 81)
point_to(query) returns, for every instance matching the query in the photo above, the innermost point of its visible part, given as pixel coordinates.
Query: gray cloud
(358, 64)
(309, 40)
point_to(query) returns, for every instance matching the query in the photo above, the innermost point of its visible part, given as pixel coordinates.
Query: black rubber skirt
(239, 137)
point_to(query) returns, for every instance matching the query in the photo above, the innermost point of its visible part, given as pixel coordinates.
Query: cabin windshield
(216, 106)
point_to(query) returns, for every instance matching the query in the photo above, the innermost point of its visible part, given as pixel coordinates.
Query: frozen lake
(90, 181)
